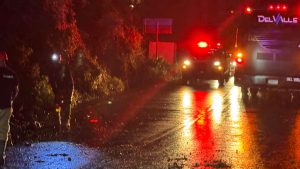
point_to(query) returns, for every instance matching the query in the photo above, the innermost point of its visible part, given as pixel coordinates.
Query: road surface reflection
(217, 131)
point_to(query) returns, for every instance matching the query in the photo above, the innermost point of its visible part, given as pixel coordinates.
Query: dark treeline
(102, 40)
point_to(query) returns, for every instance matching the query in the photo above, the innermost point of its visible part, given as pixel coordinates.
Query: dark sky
(190, 15)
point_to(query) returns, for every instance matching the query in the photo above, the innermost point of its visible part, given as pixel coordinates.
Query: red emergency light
(271, 7)
(248, 10)
(277, 7)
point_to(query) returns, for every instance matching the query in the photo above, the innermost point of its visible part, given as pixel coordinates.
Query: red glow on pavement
(203, 128)
(294, 140)
(130, 111)
(93, 121)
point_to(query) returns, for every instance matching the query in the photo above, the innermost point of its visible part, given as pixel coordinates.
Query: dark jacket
(8, 87)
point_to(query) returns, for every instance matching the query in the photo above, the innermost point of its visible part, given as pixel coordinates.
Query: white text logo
(277, 19)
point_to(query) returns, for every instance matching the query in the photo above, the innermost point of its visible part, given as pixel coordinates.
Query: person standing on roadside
(9, 88)
(62, 83)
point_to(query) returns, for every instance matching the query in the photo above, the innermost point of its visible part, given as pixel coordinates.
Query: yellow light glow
(217, 63)
(220, 68)
(187, 127)
(235, 107)
(187, 62)
(239, 54)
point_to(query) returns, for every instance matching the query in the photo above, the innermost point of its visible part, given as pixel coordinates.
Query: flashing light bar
(278, 7)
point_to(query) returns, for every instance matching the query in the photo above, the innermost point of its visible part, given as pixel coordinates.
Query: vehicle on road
(208, 62)
(268, 48)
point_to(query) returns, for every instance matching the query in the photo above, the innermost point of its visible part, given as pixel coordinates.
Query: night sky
(190, 15)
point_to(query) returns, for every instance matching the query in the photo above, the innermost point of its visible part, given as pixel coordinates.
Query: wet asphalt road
(179, 126)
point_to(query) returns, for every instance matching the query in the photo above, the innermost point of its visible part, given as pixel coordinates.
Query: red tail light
(239, 58)
(93, 121)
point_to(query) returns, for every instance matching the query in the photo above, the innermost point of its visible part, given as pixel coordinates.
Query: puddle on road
(50, 155)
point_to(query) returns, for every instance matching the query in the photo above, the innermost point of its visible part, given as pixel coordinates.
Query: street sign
(158, 26)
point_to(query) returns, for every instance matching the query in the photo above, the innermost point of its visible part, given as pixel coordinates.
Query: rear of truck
(268, 56)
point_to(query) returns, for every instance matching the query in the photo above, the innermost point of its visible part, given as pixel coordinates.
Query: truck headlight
(187, 62)
(217, 63)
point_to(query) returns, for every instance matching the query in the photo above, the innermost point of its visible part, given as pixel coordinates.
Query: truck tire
(244, 91)
(253, 92)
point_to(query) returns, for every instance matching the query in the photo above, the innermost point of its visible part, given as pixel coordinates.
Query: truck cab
(207, 63)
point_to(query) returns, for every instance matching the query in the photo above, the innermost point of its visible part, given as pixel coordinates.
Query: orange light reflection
(234, 104)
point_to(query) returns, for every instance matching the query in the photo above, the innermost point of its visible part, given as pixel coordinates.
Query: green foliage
(151, 71)
(78, 98)
(105, 85)
(43, 96)
(112, 39)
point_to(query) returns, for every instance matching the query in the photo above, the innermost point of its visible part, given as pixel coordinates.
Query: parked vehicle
(210, 62)
(268, 48)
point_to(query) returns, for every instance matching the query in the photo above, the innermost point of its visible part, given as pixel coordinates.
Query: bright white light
(187, 62)
(203, 44)
(187, 127)
(217, 107)
(54, 57)
(187, 100)
(233, 63)
(217, 63)
(234, 104)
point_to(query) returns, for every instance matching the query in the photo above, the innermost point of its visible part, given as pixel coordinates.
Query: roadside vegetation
(102, 40)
